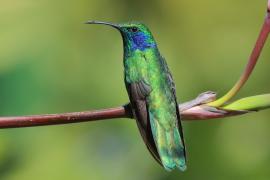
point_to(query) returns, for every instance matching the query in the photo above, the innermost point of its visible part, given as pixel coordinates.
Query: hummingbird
(152, 95)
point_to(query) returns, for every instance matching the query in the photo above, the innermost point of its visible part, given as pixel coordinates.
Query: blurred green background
(50, 62)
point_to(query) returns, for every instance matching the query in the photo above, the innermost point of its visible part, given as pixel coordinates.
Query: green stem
(251, 63)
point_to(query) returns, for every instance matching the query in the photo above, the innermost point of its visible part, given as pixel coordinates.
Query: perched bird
(152, 95)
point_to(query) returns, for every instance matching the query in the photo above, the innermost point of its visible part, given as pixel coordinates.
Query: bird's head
(135, 35)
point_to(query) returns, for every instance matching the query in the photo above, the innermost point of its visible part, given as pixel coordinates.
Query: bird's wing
(167, 133)
(170, 79)
(137, 93)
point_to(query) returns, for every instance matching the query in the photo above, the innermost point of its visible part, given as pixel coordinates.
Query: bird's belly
(162, 108)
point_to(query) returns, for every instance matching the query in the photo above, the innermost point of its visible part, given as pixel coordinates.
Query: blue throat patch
(141, 41)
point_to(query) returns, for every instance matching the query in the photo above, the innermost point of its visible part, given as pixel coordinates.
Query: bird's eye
(133, 29)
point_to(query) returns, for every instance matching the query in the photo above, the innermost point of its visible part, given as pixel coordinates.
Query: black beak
(105, 23)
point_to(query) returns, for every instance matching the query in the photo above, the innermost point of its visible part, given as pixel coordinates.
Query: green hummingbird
(152, 95)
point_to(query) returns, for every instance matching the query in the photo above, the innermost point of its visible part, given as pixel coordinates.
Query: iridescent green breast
(137, 65)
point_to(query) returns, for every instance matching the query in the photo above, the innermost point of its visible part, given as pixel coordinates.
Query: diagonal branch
(198, 112)
(195, 113)
(65, 118)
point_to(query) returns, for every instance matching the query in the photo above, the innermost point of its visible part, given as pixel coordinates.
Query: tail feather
(179, 151)
(163, 148)
(170, 146)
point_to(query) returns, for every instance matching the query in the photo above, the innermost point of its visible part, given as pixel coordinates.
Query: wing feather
(137, 93)
(170, 79)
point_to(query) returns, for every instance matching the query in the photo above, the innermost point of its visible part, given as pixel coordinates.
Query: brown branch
(194, 113)
(65, 118)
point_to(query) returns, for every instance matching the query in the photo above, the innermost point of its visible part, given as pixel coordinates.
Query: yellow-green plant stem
(251, 63)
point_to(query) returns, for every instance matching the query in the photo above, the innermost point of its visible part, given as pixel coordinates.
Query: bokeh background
(50, 62)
